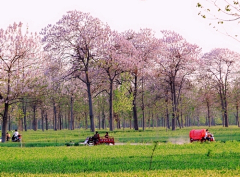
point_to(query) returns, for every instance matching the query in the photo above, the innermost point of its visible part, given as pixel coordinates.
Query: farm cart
(200, 135)
(101, 140)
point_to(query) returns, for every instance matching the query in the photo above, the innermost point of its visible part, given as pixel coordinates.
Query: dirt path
(133, 143)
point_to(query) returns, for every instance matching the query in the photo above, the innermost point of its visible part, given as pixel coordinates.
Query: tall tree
(206, 92)
(221, 65)
(18, 58)
(235, 97)
(115, 59)
(176, 62)
(75, 39)
(145, 45)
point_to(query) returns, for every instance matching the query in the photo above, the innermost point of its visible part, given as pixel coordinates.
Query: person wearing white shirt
(15, 133)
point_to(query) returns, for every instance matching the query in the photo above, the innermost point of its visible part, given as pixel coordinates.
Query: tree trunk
(225, 111)
(237, 116)
(111, 127)
(34, 118)
(54, 116)
(68, 119)
(135, 118)
(42, 116)
(46, 121)
(4, 124)
(59, 118)
(179, 124)
(99, 117)
(174, 103)
(71, 113)
(24, 107)
(73, 124)
(66, 122)
(25, 115)
(103, 118)
(143, 107)
(9, 123)
(167, 112)
(90, 106)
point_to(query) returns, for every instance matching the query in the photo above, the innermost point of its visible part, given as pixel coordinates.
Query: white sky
(177, 15)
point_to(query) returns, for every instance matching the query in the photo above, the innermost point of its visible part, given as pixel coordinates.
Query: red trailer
(101, 140)
(200, 135)
(109, 140)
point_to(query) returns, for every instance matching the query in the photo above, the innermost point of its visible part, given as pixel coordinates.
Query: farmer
(208, 135)
(96, 137)
(15, 135)
(106, 136)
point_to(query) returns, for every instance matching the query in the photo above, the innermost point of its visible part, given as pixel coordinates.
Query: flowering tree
(115, 58)
(145, 45)
(206, 92)
(176, 61)
(235, 97)
(75, 39)
(18, 58)
(221, 65)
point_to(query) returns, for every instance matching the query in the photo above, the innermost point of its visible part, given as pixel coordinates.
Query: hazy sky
(177, 15)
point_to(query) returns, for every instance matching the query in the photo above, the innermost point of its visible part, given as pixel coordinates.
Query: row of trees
(79, 67)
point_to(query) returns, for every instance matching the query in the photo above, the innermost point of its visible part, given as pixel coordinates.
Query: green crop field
(220, 158)
(61, 137)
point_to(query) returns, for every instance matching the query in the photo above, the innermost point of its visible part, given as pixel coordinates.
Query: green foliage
(227, 8)
(235, 2)
(18, 112)
(122, 99)
(218, 121)
(199, 5)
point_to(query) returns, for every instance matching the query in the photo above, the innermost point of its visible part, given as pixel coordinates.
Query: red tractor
(200, 135)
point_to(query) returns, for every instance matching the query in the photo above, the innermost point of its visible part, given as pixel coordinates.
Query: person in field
(106, 136)
(96, 137)
(208, 135)
(15, 135)
(8, 136)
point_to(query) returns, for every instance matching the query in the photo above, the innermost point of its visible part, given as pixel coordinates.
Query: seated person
(95, 137)
(8, 136)
(15, 135)
(106, 136)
